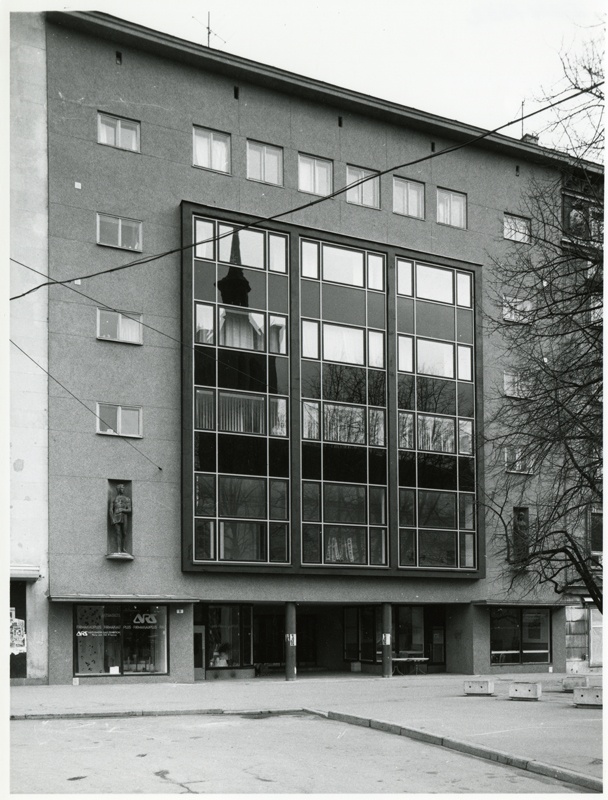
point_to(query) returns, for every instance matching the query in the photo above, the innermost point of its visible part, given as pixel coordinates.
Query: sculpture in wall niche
(121, 509)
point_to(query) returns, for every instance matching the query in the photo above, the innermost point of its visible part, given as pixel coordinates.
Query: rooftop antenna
(210, 33)
(522, 119)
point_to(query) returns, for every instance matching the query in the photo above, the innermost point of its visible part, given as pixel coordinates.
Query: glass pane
(376, 427)
(504, 636)
(416, 200)
(279, 543)
(224, 636)
(435, 321)
(436, 471)
(375, 272)
(434, 284)
(376, 349)
(311, 501)
(130, 234)
(436, 396)
(277, 413)
(467, 512)
(353, 174)
(343, 503)
(241, 329)
(204, 495)
(436, 509)
(144, 638)
(277, 335)
(377, 546)
(406, 430)
(204, 324)
(437, 549)
(204, 540)
(345, 545)
(107, 130)
(344, 424)
(202, 147)
(310, 339)
(407, 548)
(130, 328)
(435, 358)
(443, 207)
(204, 231)
(273, 171)
(323, 177)
(377, 505)
(343, 266)
(343, 344)
(465, 436)
(109, 230)
(463, 289)
(129, 135)
(204, 412)
(310, 260)
(406, 354)
(220, 153)
(404, 277)
(436, 433)
(279, 499)
(107, 418)
(311, 544)
(255, 154)
(99, 642)
(459, 211)
(129, 421)
(467, 550)
(241, 413)
(341, 382)
(277, 253)
(306, 179)
(465, 368)
(310, 420)
(535, 635)
(108, 324)
(407, 507)
(242, 497)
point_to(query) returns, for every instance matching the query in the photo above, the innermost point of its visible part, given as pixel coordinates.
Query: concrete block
(387, 727)
(573, 682)
(349, 718)
(525, 691)
(588, 696)
(479, 687)
(422, 736)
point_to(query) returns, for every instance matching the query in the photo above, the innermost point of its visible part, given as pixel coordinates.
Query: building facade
(265, 399)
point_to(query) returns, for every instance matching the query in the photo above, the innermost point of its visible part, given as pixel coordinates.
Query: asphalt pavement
(549, 736)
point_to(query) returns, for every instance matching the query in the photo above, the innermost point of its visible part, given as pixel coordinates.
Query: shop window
(119, 326)
(119, 232)
(366, 193)
(211, 149)
(116, 639)
(314, 175)
(408, 198)
(264, 163)
(118, 132)
(229, 640)
(520, 635)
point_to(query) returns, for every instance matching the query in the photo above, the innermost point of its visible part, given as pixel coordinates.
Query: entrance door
(199, 652)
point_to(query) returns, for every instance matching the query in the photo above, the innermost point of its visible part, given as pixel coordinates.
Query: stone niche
(119, 515)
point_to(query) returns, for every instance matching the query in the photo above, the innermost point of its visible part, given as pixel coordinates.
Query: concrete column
(290, 641)
(387, 647)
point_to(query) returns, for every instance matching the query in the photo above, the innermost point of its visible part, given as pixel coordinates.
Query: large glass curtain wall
(241, 447)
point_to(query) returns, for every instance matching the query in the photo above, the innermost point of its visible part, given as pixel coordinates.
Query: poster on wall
(17, 634)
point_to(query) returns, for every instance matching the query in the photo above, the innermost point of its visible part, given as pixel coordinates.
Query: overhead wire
(261, 220)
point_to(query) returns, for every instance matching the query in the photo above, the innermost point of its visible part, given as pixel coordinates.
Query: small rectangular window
(314, 175)
(119, 420)
(406, 431)
(310, 260)
(516, 460)
(310, 420)
(119, 326)
(204, 332)
(517, 229)
(344, 424)
(375, 354)
(451, 208)
(464, 295)
(515, 384)
(376, 427)
(465, 363)
(406, 354)
(405, 281)
(211, 149)
(264, 163)
(408, 198)
(375, 272)
(596, 531)
(435, 358)
(310, 339)
(366, 193)
(277, 252)
(515, 309)
(119, 232)
(118, 132)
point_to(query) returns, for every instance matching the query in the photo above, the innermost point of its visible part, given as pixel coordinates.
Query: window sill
(117, 147)
(120, 247)
(266, 183)
(210, 169)
(449, 225)
(118, 341)
(120, 435)
(412, 216)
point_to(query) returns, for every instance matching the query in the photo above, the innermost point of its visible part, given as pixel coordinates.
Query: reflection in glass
(344, 503)
(436, 433)
(465, 436)
(376, 427)
(204, 495)
(407, 548)
(277, 334)
(204, 333)
(310, 339)
(377, 547)
(242, 497)
(436, 471)
(279, 499)
(342, 344)
(405, 391)
(344, 383)
(204, 539)
(436, 396)
(242, 541)
(241, 370)
(466, 512)
(311, 544)
(277, 416)
(343, 266)
(437, 549)
(279, 543)
(245, 247)
(311, 379)
(311, 428)
(344, 424)
(406, 430)
(204, 413)
(466, 400)
(377, 505)
(376, 388)
(436, 509)
(345, 545)
(311, 501)
(435, 358)
(433, 283)
(407, 507)
(241, 329)
(467, 550)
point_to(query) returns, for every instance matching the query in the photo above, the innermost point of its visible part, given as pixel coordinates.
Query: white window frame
(516, 309)
(356, 194)
(315, 161)
(119, 121)
(132, 316)
(517, 229)
(120, 409)
(515, 462)
(212, 133)
(264, 149)
(450, 195)
(408, 186)
(120, 246)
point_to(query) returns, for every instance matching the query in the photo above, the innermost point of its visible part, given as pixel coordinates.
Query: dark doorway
(18, 604)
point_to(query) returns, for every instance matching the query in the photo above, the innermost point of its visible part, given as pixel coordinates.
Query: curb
(537, 767)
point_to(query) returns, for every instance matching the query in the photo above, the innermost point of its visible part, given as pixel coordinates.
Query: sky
(470, 60)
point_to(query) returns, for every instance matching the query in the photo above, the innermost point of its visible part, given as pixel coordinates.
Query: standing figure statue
(119, 510)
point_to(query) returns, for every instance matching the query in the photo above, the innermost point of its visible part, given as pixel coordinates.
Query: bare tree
(544, 426)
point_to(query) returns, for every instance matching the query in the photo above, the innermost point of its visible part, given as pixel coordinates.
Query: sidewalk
(551, 731)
